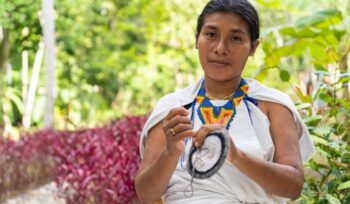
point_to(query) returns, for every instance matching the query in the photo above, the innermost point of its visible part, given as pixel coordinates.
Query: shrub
(99, 165)
(89, 166)
(25, 163)
(328, 178)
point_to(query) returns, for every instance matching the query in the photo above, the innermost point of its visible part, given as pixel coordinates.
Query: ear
(253, 47)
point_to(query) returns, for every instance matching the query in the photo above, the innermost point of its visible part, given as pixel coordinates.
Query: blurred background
(85, 67)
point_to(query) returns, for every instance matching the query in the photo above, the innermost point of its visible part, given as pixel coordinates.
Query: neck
(220, 89)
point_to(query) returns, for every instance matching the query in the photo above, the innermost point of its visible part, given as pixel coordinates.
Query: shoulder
(261, 92)
(172, 100)
(272, 102)
(272, 109)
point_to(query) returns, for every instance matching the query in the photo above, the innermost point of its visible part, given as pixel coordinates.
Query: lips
(219, 62)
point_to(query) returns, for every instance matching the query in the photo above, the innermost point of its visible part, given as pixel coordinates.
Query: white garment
(250, 134)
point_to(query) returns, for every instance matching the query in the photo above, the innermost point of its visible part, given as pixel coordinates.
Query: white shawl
(256, 90)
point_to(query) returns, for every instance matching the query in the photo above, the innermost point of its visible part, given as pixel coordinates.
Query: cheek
(202, 44)
(202, 51)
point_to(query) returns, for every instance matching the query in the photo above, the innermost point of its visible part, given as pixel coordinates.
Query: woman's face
(224, 46)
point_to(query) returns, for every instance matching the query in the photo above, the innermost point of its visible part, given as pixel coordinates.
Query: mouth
(218, 62)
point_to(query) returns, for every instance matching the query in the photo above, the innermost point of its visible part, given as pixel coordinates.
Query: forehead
(225, 21)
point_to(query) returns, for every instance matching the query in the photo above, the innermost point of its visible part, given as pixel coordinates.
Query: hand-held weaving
(206, 160)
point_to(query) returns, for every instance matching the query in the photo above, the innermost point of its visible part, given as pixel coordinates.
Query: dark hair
(239, 7)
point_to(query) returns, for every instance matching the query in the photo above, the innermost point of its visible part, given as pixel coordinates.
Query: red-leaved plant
(99, 165)
(26, 163)
(89, 166)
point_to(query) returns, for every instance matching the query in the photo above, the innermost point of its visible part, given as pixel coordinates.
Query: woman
(268, 142)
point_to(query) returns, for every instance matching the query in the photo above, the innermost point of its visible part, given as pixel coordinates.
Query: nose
(221, 47)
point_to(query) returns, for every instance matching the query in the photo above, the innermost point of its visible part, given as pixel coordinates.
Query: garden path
(47, 194)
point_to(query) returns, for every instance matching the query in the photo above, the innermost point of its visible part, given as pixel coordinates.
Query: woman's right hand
(176, 127)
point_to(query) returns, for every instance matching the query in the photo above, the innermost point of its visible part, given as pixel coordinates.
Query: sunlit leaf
(302, 96)
(319, 140)
(313, 119)
(303, 106)
(319, 17)
(323, 130)
(332, 200)
(284, 75)
(320, 67)
(344, 185)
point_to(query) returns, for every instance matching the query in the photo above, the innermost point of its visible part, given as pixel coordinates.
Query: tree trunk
(4, 49)
(48, 25)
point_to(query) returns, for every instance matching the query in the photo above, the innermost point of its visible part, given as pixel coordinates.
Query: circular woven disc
(206, 160)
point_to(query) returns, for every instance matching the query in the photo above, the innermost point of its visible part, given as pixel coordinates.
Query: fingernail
(196, 144)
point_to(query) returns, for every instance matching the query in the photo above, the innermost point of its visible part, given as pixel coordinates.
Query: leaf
(284, 75)
(332, 199)
(336, 172)
(313, 119)
(303, 106)
(323, 152)
(332, 186)
(323, 130)
(302, 95)
(318, 51)
(13, 96)
(319, 140)
(320, 67)
(288, 30)
(344, 185)
(319, 17)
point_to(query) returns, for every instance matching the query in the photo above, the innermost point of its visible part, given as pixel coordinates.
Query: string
(190, 185)
(183, 154)
(188, 138)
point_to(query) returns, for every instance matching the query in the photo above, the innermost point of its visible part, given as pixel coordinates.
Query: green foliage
(110, 74)
(317, 31)
(328, 173)
(305, 36)
(20, 17)
(316, 47)
(319, 42)
(111, 53)
(11, 106)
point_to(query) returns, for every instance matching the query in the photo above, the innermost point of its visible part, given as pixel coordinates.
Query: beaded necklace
(210, 114)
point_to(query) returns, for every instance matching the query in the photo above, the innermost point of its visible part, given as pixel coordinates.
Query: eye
(210, 34)
(236, 38)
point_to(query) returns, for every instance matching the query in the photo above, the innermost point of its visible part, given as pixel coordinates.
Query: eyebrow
(234, 30)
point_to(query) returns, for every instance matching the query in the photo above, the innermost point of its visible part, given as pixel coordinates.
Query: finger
(200, 135)
(182, 127)
(203, 132)
(176, 111)
(177, 120)
(183, 135)
(173, 132)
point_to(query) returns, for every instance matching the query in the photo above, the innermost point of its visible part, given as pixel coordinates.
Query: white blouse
(250, 133)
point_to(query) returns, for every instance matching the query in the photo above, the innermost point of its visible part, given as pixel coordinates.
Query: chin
(222, 76)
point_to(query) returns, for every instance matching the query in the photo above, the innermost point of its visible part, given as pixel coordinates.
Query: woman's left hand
(202, 133)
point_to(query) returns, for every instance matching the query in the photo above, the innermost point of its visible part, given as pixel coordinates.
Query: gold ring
(172, 131)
